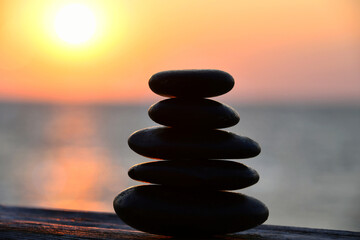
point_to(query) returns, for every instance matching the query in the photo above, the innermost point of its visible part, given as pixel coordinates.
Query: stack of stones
(187, 196)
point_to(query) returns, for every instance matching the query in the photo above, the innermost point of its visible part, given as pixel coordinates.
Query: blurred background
(74, 85)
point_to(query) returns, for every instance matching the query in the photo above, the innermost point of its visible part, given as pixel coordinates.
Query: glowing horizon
(277, 50)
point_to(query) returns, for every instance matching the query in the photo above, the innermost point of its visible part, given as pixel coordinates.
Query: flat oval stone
(193, 113)
(182, 144)
(191, 83)
(205, 174)
(174, 211)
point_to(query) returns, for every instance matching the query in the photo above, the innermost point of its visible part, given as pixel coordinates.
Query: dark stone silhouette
(191, 83)
(193, 113)
(189, 197)
(169, 210)
(204, 174)
(181, 144)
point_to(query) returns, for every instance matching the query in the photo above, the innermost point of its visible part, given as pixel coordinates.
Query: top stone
(191, 83)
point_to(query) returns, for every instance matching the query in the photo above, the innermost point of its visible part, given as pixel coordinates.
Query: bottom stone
(178, 211)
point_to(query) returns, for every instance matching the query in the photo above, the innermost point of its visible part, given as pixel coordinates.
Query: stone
(188, 194)
(204, 174)
(191, 83)
(193, 113)
(177, 211)
(180, 144)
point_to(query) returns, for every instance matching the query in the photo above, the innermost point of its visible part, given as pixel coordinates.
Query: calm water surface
(76, 157)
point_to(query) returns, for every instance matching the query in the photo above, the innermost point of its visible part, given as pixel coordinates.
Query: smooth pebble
(182, 144)
(191, 83)
(194, 113)
(176, 211)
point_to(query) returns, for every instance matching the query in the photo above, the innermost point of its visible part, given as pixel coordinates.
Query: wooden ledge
(35, 223)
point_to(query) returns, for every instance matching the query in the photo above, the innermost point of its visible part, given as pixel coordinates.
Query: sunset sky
(277, 50)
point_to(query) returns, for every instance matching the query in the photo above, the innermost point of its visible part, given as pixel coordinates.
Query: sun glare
(75, 23)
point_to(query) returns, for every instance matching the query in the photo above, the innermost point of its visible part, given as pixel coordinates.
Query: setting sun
(104, 50)
(75, 23)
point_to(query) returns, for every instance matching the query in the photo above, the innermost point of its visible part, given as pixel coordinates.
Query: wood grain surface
(36, 223)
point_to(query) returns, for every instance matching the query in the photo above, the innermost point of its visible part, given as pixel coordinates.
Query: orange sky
(279, 50)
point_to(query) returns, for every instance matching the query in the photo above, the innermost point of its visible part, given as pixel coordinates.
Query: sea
(77, 157)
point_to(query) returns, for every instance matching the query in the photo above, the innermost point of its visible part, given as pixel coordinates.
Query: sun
(75, 23)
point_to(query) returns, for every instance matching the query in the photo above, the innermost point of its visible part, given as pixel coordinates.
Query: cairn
(187, 196)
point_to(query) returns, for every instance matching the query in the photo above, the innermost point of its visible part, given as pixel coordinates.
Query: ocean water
(76, 157)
